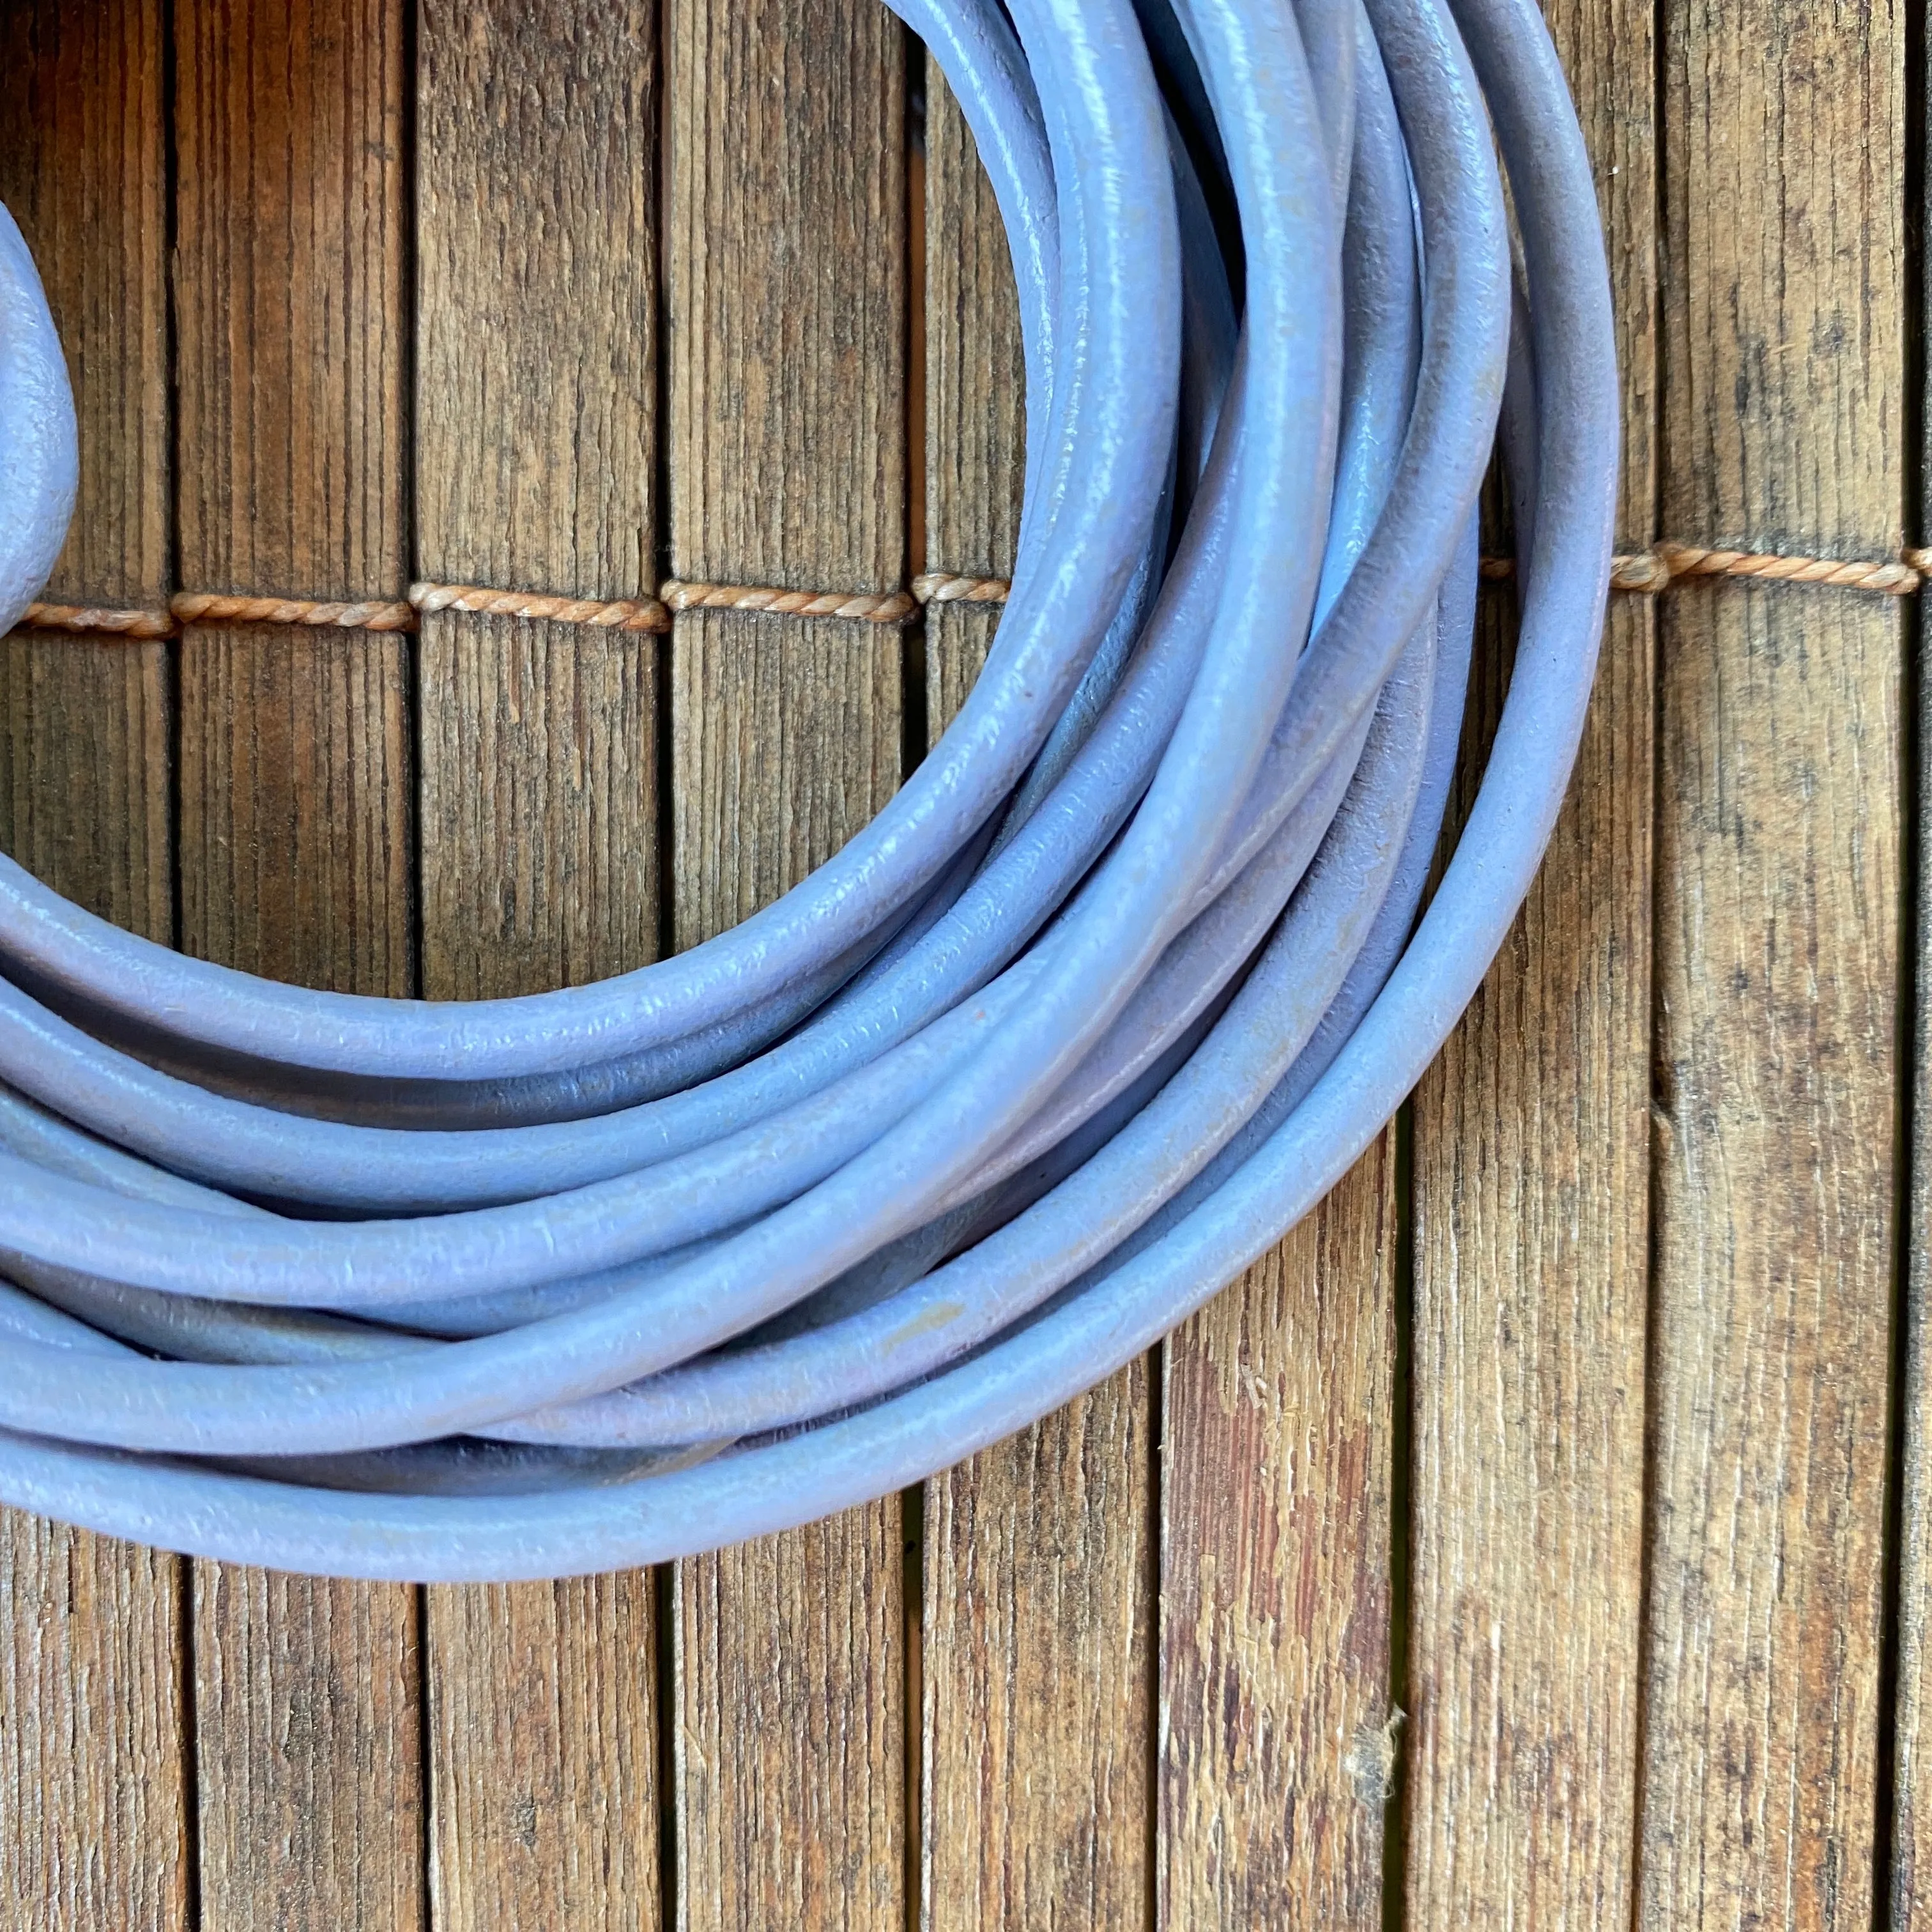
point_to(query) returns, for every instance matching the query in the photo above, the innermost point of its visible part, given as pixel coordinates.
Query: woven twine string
(1645, 573)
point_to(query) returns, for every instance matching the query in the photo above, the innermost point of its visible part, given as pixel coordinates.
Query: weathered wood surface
(787, 289)
(1277, 1738)
(1777, 952)
(83, 152)
(536, 465)
(296, 840)
(1574, 1436)
(1909, 1891)
(543, 1712)
(93, 1789)
(1531, 1150)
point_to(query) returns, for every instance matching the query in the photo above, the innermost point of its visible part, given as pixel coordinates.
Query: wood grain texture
(539, 803)
(1531, 1150)
(295, 789)
(84, 724)
(1038, 1672)
(1531, 1159)
(536, 253)
(292, 216)
(1910, 1851)
(543, 1711)
(536, 465)
(294, 774)
(93, 1788)
(786, 210)
(292, 308)
(1039, 1553)
(785, 207)
(1277, 1742)
(308, 1729)
(535, 459)
(1777, 962)
(789, 1748)
(786, 742)
(93, 1767)
(84, 730)
(1909, 1854)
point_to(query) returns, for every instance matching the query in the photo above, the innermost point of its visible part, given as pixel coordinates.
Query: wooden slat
(1037, 1672)
(295, 807)
(1777, 961)
(1910, 1851)
(787, 211)
(1532, 1148)
(294, 746)
(295, 813)
(1039, 1601)
(536, 462)
(536, 455)
(93, 1796)
(306, 1730)
(83, 169)
(1276, 1739)
(788, 1747)
(93, 1770)
(543, 1708)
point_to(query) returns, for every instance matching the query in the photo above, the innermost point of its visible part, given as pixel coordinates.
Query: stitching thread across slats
(886, 608)
(644, 613)
(201, 607)
(1644, 573)
(89, 617)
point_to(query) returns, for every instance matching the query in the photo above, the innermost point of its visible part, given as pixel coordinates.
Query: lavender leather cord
(1107, 997)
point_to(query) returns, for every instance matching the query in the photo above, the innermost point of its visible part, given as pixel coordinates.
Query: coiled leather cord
(1115, 988)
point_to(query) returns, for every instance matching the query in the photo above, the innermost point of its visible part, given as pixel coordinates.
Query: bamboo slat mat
(1541, 1537)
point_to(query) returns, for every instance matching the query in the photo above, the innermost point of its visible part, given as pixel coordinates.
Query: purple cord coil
(1101, 1004)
